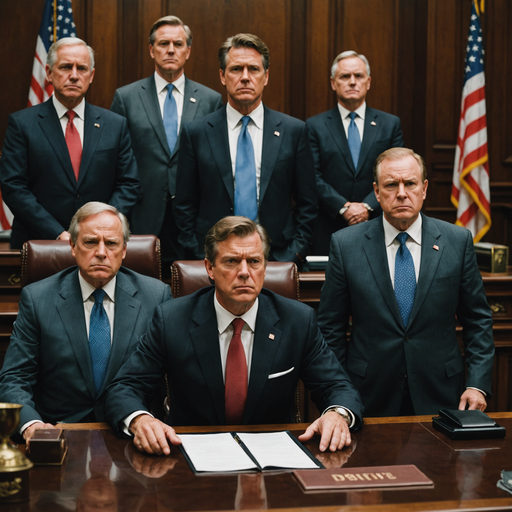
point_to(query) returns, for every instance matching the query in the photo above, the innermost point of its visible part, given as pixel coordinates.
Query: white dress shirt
(255, 129)
(359, 120)
(78, 121)
(178, 93)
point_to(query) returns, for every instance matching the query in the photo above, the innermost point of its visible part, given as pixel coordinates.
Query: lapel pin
(436, 247)
(277, 134)
(96, 125)
(373, 123)
(271, 336)
(193, 100)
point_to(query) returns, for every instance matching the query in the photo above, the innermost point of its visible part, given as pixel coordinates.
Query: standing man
(75, 329)
(233, 354)
(156, 109)
(246, 159)
(345, 142)
(406, 279)
(63, 153)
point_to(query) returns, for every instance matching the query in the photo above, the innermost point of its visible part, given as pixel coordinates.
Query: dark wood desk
(107, 473)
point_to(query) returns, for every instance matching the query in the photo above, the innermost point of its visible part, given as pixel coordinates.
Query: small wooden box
(48, 446)
(492, 257)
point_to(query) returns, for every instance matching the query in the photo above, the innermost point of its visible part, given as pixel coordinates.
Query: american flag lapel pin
(277, 134)
(436, 247)
(271, 336)
(96, 125)
(193, 100)
(373, 123)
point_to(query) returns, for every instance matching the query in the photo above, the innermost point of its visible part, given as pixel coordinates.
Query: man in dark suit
(248, 160)
(61, 154)
(68, 341)
(143, 103)
(345, 150)
(406, 279)
(233, 354)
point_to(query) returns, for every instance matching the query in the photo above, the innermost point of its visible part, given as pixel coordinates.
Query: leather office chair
(44, 258)
(281, 277)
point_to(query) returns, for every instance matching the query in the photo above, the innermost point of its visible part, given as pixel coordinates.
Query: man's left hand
(473, 399)
(356, 213)
(333, 430)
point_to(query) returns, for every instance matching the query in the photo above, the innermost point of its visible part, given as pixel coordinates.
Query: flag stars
(472, 58)
(473, 17)
(470, 38)
(479, 39)
(472, 27)
(468, 69)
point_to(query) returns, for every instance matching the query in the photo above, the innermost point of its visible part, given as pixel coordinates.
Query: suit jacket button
(77, 196)
(406, 339)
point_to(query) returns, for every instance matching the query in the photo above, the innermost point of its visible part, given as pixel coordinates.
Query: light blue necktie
(354, 139)
(171, 118)
(405, 278)
(246, 199)
(99, 339)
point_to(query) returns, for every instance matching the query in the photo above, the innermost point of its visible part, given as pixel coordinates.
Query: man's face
(239, 272)
(244, 78)
(71, 74)
(401, 191)
(99, 249)
(170, 51)
(351, 82)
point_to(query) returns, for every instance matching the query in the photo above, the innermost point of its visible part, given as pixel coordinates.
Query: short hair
(244, 41)
(347, 55)
(233, 225)
(51, 58)
(398, 154)
(95, 208)
(173, 21)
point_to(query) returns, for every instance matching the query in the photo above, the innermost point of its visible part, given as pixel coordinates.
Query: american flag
(57, 22)
(470, 188)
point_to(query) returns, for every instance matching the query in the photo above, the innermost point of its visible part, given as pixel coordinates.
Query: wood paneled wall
(415, 47)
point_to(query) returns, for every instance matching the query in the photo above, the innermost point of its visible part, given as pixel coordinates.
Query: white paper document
(224, 453)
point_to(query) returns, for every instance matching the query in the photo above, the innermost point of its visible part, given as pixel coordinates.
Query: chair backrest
(44, 258)
(189, 276)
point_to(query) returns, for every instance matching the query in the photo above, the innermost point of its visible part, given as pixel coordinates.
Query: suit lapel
(92, 134)
(430, 259)
(150, 103)
(204, 336)
(71, 311)
(270, 148)
(217, 134)
(127, 309)
(370, 132)
(51, 127)
(335, 127)
(374, 246)
(190, 104)
(263, 353)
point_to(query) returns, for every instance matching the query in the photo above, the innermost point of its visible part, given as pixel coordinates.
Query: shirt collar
(224, 317)
(161, 83)
(361, 111)
(87, 288)
(234, 116)
(61, 109)
(414, 231)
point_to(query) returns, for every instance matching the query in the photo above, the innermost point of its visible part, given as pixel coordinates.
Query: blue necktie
(99, 339)
(171, 118)
(405, 278)
(354, 139)
(246, 199)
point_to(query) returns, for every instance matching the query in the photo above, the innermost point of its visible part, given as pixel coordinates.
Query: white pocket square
(280, 374)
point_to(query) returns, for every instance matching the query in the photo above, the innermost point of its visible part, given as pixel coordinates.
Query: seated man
(75, 329)
(233, 354)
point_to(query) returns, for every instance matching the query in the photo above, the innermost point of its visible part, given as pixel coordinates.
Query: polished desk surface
(102, 472)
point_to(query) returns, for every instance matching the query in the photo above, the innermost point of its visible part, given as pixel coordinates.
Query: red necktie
(235, 391)
(74, 143)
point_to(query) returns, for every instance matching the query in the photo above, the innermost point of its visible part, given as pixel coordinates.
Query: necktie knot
(238, 324)
(402, 237)
(70, 115)
(169, 88)
(352, 115)
(245, 121)
(99, 295)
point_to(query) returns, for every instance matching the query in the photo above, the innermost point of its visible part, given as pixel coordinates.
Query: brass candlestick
(14, 466)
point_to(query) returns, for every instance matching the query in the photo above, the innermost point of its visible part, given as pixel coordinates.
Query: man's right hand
(152, 436)
(28, 433)
(64, 236)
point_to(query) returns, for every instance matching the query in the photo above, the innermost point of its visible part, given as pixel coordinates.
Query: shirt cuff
(129, 418)
(26, 425)
(348, 411)
(483, 392)
(368, 207)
